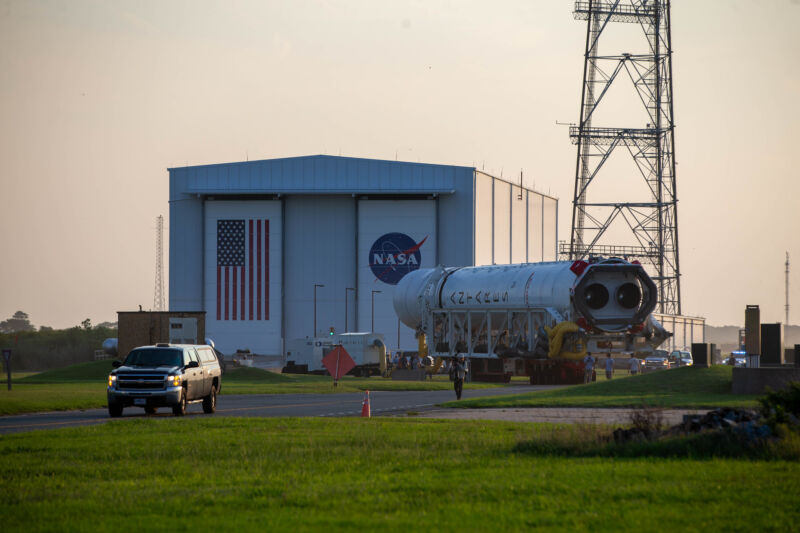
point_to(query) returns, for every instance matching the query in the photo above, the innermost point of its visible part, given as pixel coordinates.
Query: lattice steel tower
(158, 299)
(649, 221)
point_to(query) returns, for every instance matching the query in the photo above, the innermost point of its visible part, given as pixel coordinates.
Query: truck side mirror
(116, 364)
(193, 364)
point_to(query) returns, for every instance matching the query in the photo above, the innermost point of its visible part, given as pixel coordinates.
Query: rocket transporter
(505, 317)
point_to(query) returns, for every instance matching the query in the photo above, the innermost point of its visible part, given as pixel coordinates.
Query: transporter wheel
(210, 402)
(179, 409)
(114, 410)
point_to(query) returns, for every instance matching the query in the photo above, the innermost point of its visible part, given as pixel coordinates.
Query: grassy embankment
(236, 474)
(80, 386)
(83, 386)
(687, 387)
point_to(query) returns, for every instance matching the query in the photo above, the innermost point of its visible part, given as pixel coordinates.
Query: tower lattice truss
(646, 227)
(158, 297)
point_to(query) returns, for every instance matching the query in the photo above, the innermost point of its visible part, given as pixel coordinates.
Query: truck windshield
(154, 357)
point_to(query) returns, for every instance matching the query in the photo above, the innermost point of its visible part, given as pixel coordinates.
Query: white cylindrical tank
(110, 346)
(610, 295)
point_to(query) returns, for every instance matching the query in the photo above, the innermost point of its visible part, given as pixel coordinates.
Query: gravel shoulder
(561, 415)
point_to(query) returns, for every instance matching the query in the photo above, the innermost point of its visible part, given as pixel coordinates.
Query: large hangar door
(242, 275)
(394, 238)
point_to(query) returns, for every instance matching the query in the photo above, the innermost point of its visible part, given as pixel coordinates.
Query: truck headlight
(112, 380)
(174, 381)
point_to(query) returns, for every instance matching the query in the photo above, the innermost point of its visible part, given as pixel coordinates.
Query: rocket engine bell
(610, 295)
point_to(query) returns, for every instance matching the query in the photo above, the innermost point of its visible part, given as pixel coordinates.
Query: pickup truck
(165, 375)
(658, 361)
(681, 358)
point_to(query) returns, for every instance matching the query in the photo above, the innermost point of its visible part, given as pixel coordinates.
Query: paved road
(344, 404)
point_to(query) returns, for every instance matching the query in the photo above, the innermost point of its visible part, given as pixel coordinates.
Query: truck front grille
(140, 382)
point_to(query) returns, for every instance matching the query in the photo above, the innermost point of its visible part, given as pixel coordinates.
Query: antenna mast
(158, 299)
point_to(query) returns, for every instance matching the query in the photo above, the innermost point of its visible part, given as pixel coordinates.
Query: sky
(99, 98)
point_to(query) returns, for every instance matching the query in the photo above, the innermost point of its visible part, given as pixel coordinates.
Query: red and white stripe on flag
(243, 269)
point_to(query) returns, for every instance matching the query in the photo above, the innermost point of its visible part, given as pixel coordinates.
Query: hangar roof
(320, 174)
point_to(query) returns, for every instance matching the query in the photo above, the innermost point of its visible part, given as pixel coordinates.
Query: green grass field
(688, 387)
(256, 381)
(83, 386)
(230, 474)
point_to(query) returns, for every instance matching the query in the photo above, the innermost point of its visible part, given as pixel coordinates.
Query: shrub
(781, 407)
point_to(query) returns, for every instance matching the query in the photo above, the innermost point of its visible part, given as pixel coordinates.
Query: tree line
(48, 348)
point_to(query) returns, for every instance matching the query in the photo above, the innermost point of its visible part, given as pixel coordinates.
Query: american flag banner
(243, 269)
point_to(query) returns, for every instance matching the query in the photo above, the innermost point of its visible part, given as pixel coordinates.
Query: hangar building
(286, 249)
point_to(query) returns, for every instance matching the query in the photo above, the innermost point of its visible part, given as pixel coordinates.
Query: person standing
(460, 372)
(427, 362)
(634, 365)
(588, 367)
(609, 366)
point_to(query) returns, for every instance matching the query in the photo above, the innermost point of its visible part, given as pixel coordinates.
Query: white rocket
(605, 298)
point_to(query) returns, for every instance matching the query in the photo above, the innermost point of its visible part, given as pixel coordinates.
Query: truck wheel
(179, 409)
(114, 410)
(210, 402)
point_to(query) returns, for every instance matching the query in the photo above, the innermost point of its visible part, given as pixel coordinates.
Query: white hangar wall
(513, 224)
(320, 250)
(242, 274)
(394, 237)
(329, 244)
(349, 226)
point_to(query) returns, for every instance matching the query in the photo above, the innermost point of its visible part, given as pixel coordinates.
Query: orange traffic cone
(365, 406)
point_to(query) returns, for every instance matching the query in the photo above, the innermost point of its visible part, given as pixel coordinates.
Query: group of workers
(590, 361)
(457, 368)
(406, 362)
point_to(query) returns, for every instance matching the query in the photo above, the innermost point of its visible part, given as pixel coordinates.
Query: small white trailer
(368, 350)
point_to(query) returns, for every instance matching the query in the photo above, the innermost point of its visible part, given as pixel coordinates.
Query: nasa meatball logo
(394, 255)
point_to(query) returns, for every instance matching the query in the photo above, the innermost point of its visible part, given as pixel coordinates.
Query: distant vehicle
(736, 358)
(165, 375)
(658, 361)
(681, 358)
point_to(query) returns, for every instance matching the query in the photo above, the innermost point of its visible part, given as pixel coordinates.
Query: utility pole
(787, 289)
(316, 286)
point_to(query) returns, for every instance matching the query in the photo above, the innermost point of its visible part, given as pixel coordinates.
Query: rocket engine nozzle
(614, 296)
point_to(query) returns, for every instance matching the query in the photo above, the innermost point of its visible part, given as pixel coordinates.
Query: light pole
(373, 310)
(315, 308)
(346, 289)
